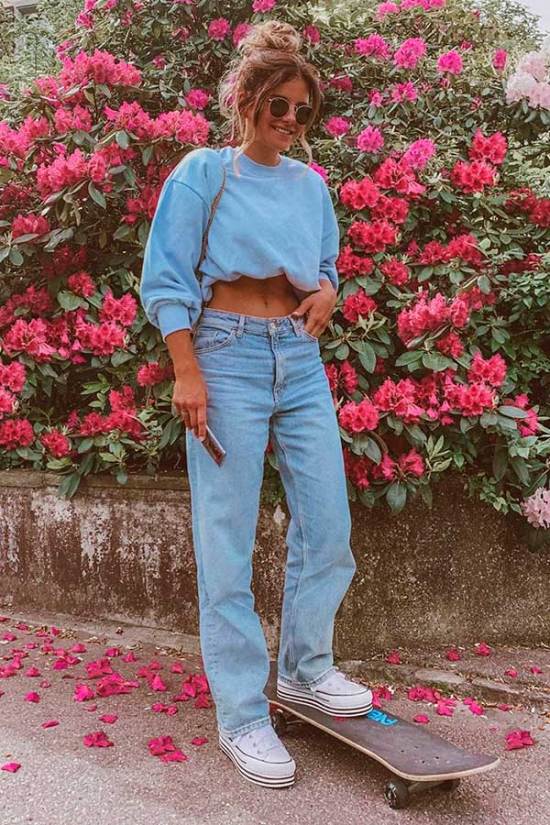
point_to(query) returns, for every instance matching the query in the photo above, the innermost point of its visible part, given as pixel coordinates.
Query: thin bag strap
(212, 212)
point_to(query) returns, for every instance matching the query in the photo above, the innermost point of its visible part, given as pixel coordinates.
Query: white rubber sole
(313, 702)
(257, 779)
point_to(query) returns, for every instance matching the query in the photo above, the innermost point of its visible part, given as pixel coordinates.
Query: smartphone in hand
(213, 446)
(210, 443)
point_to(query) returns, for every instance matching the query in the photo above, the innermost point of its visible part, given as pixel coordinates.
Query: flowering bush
(437, 354)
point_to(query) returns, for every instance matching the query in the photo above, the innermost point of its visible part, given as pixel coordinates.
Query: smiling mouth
(283, 132)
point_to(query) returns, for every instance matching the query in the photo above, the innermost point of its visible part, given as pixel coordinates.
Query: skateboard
(417, 758)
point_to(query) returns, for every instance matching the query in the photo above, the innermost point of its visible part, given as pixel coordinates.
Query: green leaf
(367, 357)
(85, 445)
(520, 469)
(434, 361)
(97, 196)
(69, 485)
(484, 284)
(123, 139)
(122, 477)
(397, 496)
(512, 412)
(15, 256)
(408, 358)
(373, 451)
(500, 462)
(69, 301)
(342, 352)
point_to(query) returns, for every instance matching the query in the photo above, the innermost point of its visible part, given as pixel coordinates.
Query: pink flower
(370, 140)
(450, 62)
(408, 54)
(358, 417)
(482, 649)
(263, 6)
(443, 708)
(453, 655)
(499, 59)
(536, 508)
(337, 126)
(419, 153)
(219, 28)
(98, 739)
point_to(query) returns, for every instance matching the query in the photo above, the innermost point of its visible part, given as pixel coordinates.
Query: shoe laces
(262, 740)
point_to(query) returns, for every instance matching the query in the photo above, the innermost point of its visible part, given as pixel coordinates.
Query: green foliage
(100, 226)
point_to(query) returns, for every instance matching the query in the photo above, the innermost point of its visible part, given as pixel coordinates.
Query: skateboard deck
(408, 750)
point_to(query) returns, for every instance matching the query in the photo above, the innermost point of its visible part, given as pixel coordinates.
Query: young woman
(244, 343)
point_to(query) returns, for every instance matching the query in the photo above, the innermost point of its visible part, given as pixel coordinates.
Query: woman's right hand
(189, 400)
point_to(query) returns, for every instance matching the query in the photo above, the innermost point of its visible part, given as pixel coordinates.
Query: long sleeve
(330, 243)
(169, 290)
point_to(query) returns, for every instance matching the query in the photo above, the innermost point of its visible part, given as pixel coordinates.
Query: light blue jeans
(265, 378)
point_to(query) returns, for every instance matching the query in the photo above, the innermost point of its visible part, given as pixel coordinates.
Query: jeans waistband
(255, 324)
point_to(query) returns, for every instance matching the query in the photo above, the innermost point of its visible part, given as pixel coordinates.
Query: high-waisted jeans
(265, 379)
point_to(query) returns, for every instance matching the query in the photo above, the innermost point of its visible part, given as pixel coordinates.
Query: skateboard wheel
(279, 722)
(396, 794)
(450, 785)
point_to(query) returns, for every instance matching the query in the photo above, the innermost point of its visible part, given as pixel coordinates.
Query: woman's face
(267, 137)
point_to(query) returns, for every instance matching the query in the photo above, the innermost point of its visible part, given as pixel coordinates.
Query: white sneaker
(336, 695)
(260, 756)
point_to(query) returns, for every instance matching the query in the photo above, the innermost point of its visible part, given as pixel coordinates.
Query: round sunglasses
(279, 106)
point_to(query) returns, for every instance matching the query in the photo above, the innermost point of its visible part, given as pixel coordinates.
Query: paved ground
(61, 781)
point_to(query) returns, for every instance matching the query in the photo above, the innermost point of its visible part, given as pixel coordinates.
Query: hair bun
(273, 34)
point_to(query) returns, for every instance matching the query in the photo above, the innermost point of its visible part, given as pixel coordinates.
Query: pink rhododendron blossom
(372, 46)
(358, 417)
(383, 9)
(262, 6)
(395, 271)
(472, 177)
(492, 148)
(337, 126)
(499, 59)
(372, 237)
(370, 140)
(419, 153)
(403, 91)
(450, 62)
(98, 739)
(219, 28)
(491, 370)
(358, 304)
(409, 53)
(536, 508)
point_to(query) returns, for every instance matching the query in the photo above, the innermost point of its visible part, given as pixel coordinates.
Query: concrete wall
(457, 573)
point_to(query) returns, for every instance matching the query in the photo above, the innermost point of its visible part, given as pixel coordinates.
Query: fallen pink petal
(33, 671)
(97, 739)
(11, 767)
(482, 649)
(32, 697)
(157, 683)
(177, 667)
(517, 739)
(511, 672)
(442, 709)
(82, 693)
(535, 669)
(393, 658)
(199, 740)
(51, 723)
(174, 756)
(421, 719)
(453, 655)
(504, 707)
(108, 718)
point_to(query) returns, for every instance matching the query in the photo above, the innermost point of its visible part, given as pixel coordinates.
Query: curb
(451, 682)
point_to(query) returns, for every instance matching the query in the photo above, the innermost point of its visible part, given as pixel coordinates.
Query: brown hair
(270, 56)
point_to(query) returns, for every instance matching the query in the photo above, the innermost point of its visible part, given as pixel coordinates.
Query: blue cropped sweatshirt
(270, 220)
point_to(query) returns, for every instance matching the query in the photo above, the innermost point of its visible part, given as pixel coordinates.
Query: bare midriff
(267, 298)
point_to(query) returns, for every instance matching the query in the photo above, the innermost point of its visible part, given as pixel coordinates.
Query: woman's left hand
(319, 308)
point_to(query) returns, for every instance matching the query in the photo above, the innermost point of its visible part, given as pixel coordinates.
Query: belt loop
(294, 322)
(240, 328)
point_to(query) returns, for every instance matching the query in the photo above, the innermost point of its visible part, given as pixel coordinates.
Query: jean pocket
(209, 338)
(303, 331)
